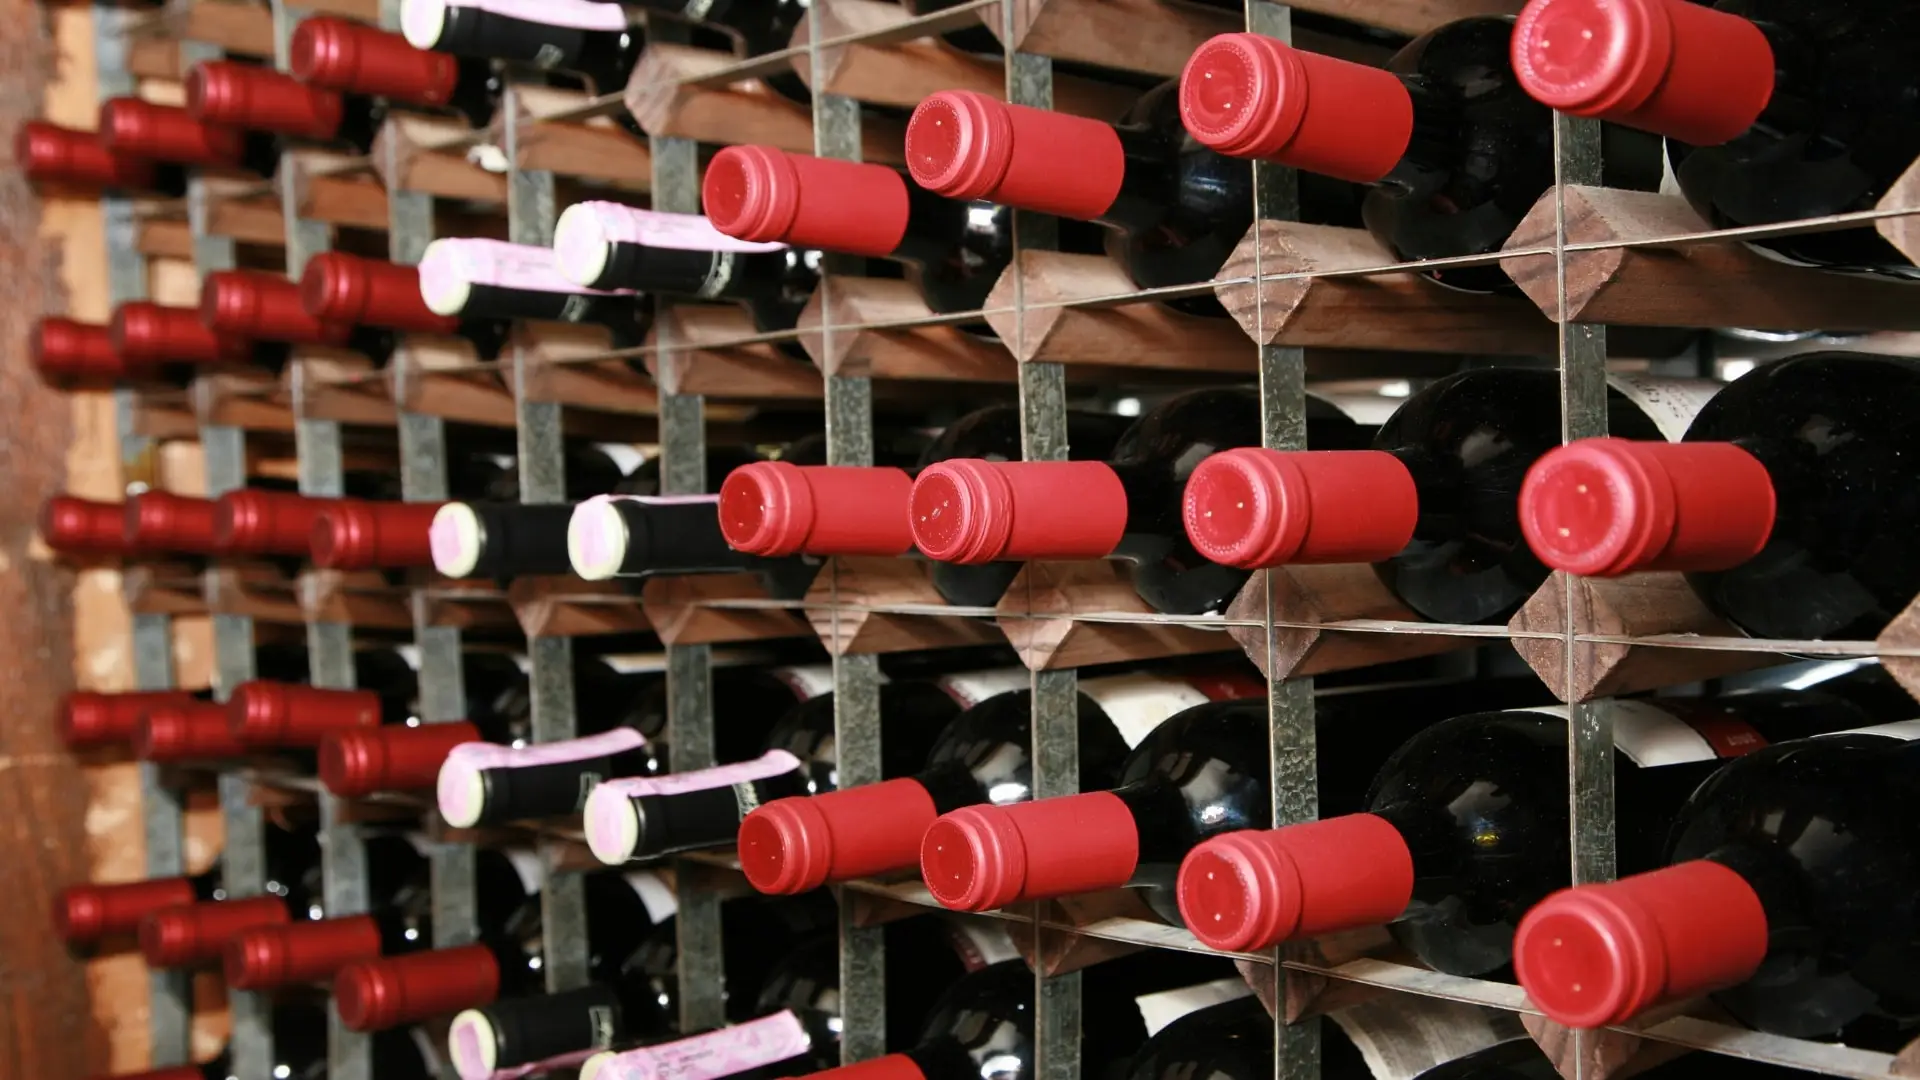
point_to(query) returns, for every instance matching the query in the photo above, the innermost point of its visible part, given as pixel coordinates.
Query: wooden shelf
(882, 605)
(701, 609)
(442, 376)
(1136, 334)
(1069, 614)
(326, 383)
(556, 369)
(932, 353)
(361, 597)
(566, 606)
(259, 591)
(1332, 618)
(334, 188)
(597, 148)
(428, 154)
(697, 354)
(250, 399)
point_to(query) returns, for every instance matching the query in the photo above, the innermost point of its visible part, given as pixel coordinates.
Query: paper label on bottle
(655, 894)
(573, 14)
(659, 229)
(409, 655)
(1670, 403)
(1904, 730)
(973, 687)
(1163, 1007)
(1368, 410)
(1138, 703)
(1683, 731)
(527, 866)
(807, 681)
(1403, 1037)
(465, 1041)
(523, 662)
(625, 456)
(715, 1054)
(461, 794)
(981, 943)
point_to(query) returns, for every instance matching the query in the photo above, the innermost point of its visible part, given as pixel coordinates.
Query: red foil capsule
(63, 350)
(84, 527)
(374, 995)
(168, 133)
(191, 732)
(89, 719)
(360, 535)
(349, 289)
(344, 55)
(49, 153)
(261, 99)
(159, 521)
(263, 307)
(253, 522)
(193, 935)
(177, 1072)
(357, 763)
(87, 913)
(146, 335)
(267, 957)
(264, 713)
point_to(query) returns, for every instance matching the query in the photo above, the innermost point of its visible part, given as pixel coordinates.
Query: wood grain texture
(677, 607)
(1306, 596)
(696, 357)
(557, 371)
(1045, 615)
(599, 149)
(931, 353)
(565, 606)
(1903, 635)
(1903, 232)
(1136, 335)
(853, 583)
(414, 152)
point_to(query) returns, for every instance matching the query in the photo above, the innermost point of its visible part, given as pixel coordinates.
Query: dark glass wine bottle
(89, 719)
(88, 915)
(51, 154)
(71, 355)
(581, 37)
(355, 59)
(169, 134)
(757, 26)
(1433, 504)
(982, 757)
(605, 245)
(264, 712)
(486, 783)
(1790, 899)
(1453, 150)
(352, 290)
(1129, 508)
(262, 101)
(798, 506)
(1466, 827)
(193, 932)
(642, 817)
(1773, 111)
(1789, 503)
(158, 342)
(254, 305)
(508, 961)
(472, 279)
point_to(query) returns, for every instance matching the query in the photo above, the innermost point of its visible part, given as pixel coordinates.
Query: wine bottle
(953, 251)
(76, 526)
(485, 783)
(158, 522)
(982, 757)
(605, 245)
(472, 279)
(758, 27)
(1174, 210)
(1772, 111)
(1787, 503)
(192, 932)
(790, 507)
(1788, 899)
(1432, 505)
(262, 101)
(506, 962)
(88, 719)
(254, 305)
(1452, 149)
(170, 134)
(299, 1034)
(582, 37)
(355, 59)
(269, 713)
(51, 154)
(158, 342)
(340, 288)
(641, 817)
(399, 920)
(263, 521)
(69, 355)
(1521, 1059)
(1466, 827)
(970, 511)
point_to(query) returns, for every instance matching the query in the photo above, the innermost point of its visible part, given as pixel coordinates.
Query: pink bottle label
(771, 763)
(451, 267)
(577, 14)
(459, 790)
(716, 1054)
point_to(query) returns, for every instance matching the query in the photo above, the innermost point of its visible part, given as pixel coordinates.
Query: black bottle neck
(605, 57)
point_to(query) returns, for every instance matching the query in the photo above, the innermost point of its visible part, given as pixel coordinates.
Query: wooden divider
(1140, 334)
(942, 352)
(1308, 596)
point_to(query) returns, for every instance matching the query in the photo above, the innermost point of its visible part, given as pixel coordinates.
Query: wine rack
(1306, 299)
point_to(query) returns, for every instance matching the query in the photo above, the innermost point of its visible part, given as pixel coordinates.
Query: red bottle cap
(1254, 889)
(146, 335)
(177, 1072)
(264, 307)
(797, 844)
(983, 857)
(1252, 96)
(249, 521)
(372, 995)
(358, 535)
(142, 129)
(86, 913)
(160, 521)
(889, 1067)
(264, 713)
(341, 54)
(356, 763)
(966, 145)
(193, 935)
(776, 508)
(260, 98)
(1605, 507)
(1601, 954)
(62, 349)
(196, 731)
(84, 527)
(761, 194)
(90, 719)
(349, 289)
(51, 153)
(267, 957)
(1254, 508)
(1676, 69)
(966, 510)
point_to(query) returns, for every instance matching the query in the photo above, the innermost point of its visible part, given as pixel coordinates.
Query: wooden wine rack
(1585, 256)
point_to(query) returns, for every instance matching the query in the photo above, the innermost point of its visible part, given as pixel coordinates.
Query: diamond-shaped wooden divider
(1305, 598)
